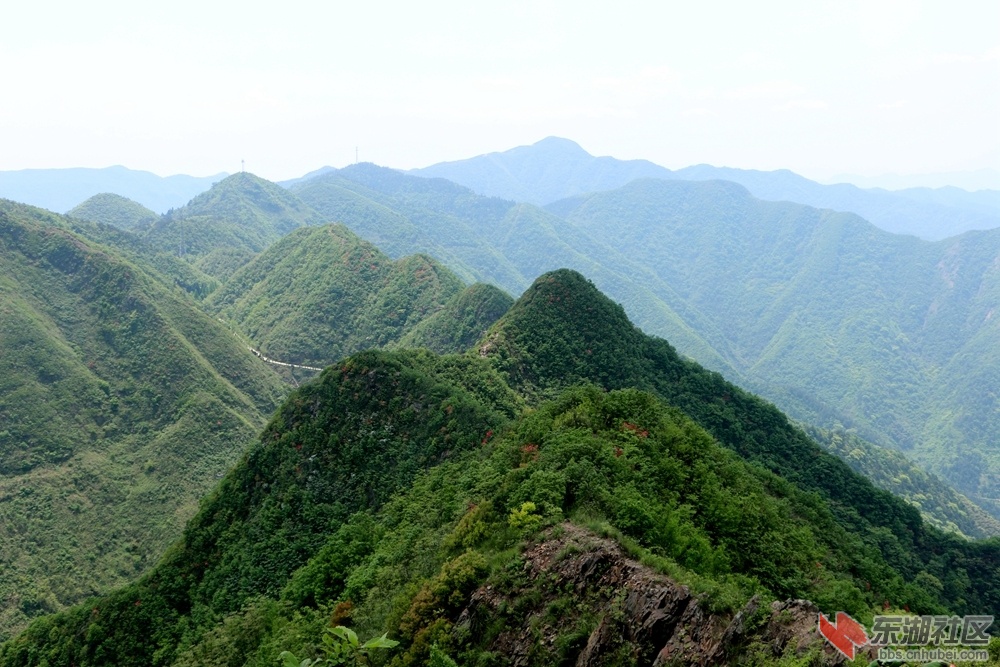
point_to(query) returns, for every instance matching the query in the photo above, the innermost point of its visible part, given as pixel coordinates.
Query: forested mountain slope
(120, 405)
(322, 293)
(499, 242)
(886, 333)
(219, 230)
(411, 494)
(719, 273)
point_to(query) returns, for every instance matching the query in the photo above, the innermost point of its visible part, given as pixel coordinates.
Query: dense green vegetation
(342, 444)
(462, 321)
(843, 325)
(562, 331)
(114, 210)
(131, 246)
(120, 405)
(121, 397)
(939, 504)
(322, 293)
(840, 322)
(498, 242)
(219, 229)
(400, 487)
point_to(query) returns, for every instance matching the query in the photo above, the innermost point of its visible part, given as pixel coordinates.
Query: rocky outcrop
(582, 600)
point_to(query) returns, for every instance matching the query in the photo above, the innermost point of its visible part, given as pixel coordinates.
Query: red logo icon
(845, 635)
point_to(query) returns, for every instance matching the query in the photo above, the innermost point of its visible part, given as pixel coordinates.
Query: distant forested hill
(121, 403)
(555, 168)
(114, 210)
(219, 230)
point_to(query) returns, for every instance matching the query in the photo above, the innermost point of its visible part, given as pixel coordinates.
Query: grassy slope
(120, 404)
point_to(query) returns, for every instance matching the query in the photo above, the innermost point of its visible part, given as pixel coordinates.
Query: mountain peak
(115, 210)
(546, 171)
(565, 147)
(564, 327)
(245, 196)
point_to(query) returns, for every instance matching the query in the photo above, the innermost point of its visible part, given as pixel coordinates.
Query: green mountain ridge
(401, 492)
(720, 274)
(889, 331)
(497, 241)
(222, 228)
(288, 276)
(120, 403)
(322, 293)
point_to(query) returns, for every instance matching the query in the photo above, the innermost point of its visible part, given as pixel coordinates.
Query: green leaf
(346, 634)
(380, 642)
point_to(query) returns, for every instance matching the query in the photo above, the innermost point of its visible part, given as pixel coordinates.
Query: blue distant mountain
(61, 189)
(555, 168)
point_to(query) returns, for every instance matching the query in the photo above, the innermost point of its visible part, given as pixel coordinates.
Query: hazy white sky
(868, 86)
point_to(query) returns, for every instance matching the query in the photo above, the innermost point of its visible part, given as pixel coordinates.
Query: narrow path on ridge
(260, 355)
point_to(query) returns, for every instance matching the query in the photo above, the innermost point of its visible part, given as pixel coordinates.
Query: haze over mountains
(556, 168)
(61, 189)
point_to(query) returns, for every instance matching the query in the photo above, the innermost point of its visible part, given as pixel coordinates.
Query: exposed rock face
(581, 600)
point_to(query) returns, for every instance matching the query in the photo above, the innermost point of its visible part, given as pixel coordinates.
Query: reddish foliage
(642, 433)
(342, 613)
(529, 452)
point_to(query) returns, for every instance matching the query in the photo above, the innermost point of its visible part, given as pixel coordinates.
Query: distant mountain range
(555, 168)
(60, 190)
(973, 180)
(547, 171)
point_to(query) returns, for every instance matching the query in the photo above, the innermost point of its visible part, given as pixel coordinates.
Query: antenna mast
(355, 155)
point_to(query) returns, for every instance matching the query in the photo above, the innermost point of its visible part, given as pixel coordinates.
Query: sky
(861, 87)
